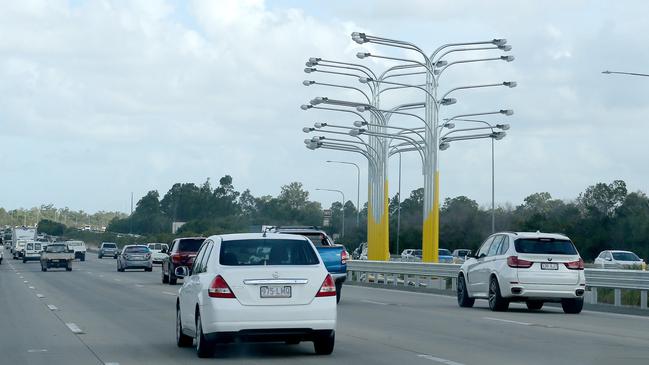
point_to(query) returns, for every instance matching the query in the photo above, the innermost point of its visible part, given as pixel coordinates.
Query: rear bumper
(29, 257)
(62, 263)
(142, 264)
(228, 315)
(542, 291)
(274, 335)
(79, 254)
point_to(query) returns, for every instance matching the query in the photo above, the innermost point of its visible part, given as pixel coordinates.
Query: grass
(630, 297)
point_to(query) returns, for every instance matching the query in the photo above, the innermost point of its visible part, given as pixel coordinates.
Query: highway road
(96, 315)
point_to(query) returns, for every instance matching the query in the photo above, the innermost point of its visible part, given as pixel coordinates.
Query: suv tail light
(514, 261)
(575, 265)
(343, 257)
(176, 258)
(219, 288)
(328, 288)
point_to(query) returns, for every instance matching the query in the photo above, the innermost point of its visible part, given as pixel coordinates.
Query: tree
(51, 228)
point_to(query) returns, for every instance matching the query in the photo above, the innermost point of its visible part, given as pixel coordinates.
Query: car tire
(534, 305)
(83, 257)
(572, 305)
(43, 268)
(165, 278)
(182, 340)
(324, 343)
(204, 347)
(172, 278)
(496, 302)
(339, 289)
(24, 261)
(99, 257)
(463, 299)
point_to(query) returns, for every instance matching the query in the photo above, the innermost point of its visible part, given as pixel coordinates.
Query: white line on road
(36, 350)
(139, 285)
(169, 293)
(111, 363)
(40, 295)
(374, 302)
(25, 281)
(31, 287)
(52, 307)
(74, 328)
(116, 279)
(439, 360)
(101, 276)
(507, 321)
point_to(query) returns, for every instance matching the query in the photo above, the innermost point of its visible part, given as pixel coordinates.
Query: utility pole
(130, 218)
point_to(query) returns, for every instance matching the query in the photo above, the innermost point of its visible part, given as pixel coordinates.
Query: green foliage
(51, 228)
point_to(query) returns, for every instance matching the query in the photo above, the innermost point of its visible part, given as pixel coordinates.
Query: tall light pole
(343, 195)
(358, 188)
(624, 73)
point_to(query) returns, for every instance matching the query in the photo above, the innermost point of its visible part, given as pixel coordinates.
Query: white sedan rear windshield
(625, 256)
(545, 246)
(267, 252)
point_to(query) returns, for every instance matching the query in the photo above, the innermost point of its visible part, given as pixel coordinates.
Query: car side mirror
(181, 271)
(608, 259)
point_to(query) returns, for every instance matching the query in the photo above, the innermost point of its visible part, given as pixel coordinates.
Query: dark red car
(182, 252)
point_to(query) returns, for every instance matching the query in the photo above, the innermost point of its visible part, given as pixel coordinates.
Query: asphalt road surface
(96, 315)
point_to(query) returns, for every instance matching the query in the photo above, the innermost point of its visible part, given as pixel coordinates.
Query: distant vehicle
(79, 248)
(256, 287)
(1, 256)
(57, 255)
(334, 256)
(108, 249)
(406, 255)
(158, 252)
(356, 254)
(445, 256)
(87, 227)
(134, 257)
(22, 234)
(524, 267)
(363, 255)
(18, 248)
(615, 259)
(460, 255)
(181, 253)
(32, 251)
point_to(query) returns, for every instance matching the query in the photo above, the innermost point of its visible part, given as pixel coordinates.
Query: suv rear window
(139, 249)
(56, 248)
(315, 237)
(109, 245)
(267, 252)
(545, 246)
(190, 244)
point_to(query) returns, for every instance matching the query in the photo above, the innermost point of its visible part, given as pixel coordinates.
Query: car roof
(128, 246)
(619, 251)
(537, 234)
(190, 238)
(252, 236)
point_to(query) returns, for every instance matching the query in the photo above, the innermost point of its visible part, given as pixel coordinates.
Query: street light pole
(358, 188)
(343, 195)
(624, 73)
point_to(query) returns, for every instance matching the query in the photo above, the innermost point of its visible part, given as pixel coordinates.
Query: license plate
(549, 266)
(275, 292)
(55, 260)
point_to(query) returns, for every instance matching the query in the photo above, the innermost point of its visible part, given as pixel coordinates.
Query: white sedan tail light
(328, 288)
(219, 288)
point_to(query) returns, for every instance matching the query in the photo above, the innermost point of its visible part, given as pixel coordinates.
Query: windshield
(461, 253)
(109, 245)
(138, 249)
(444, 252)
(190, 244)
(625, 256)
(74, 243)
(56, 248)
(267, 252)
(545, 246)
(318, 239)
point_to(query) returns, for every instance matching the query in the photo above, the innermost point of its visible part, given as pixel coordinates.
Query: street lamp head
(356, 132)
(498, 135)
(309, 69)
(309, 64)
(306, 106)
(449, 125)
(360, 123)
(444, 146)
(448, 101)
(308, 82)
(505, 48)
(507, 58)
(315, 60)
(362, 55)
(319, 125)
(318, 100)
(441, 63)
(313, 146)
(499, 41)
(363, 108)
(503, 126)
(510, 84)
(308, 129)
(359, 38)
(507, 112)
(317, 139)
(365, 80)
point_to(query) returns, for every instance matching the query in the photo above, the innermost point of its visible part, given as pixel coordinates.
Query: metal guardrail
(441, 275)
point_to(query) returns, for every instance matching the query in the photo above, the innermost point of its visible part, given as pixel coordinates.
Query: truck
(79, 248)
(32, 251)
(57, 255)
(334, 256)
(22, 234)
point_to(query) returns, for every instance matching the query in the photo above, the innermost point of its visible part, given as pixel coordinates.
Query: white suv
(256, 287)
(524, 267)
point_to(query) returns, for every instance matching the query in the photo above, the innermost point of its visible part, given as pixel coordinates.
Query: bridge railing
(444, 277)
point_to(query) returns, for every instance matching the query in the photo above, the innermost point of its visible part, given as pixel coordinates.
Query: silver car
(135, 257)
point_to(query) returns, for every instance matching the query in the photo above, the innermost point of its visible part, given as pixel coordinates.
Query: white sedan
(256, 287)
(615, 259)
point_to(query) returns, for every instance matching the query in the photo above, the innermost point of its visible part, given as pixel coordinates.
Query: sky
(102, 98)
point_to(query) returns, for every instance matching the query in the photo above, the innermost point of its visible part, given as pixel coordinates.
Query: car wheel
(204, 347)
(572, 305)
(182, 340)
(165, 278)
(24, 261)
(463, 299)
(496, 302)
(99, 256)
(172, 278)
(43, 268)
(534, 305)
(339, 289)
(324, 343)
(83, 257)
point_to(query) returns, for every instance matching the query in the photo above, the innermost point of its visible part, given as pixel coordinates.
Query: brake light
(575, 265)
(328, 288)
(343, 257)
(514, 261)
(219, 288)
(176, 258)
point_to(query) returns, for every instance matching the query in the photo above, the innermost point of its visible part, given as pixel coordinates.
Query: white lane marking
(101, 276)
(40, 295)
(168, 293)
(31, 351)
(52, 307)
(139, 285)
(74, 328)
(25, 281)
(116, 279)
(373, 302)
(507, 321)
(111, 363)
(31, 287)
(439, 360)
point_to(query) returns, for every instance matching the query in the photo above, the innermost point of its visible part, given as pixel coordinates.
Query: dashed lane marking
(374, 302)
(31, 351)
(169, 293)
(40, 295)
(31, 287)
(439, 360)
(52, 307)
(507, 321)
(74, 328)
